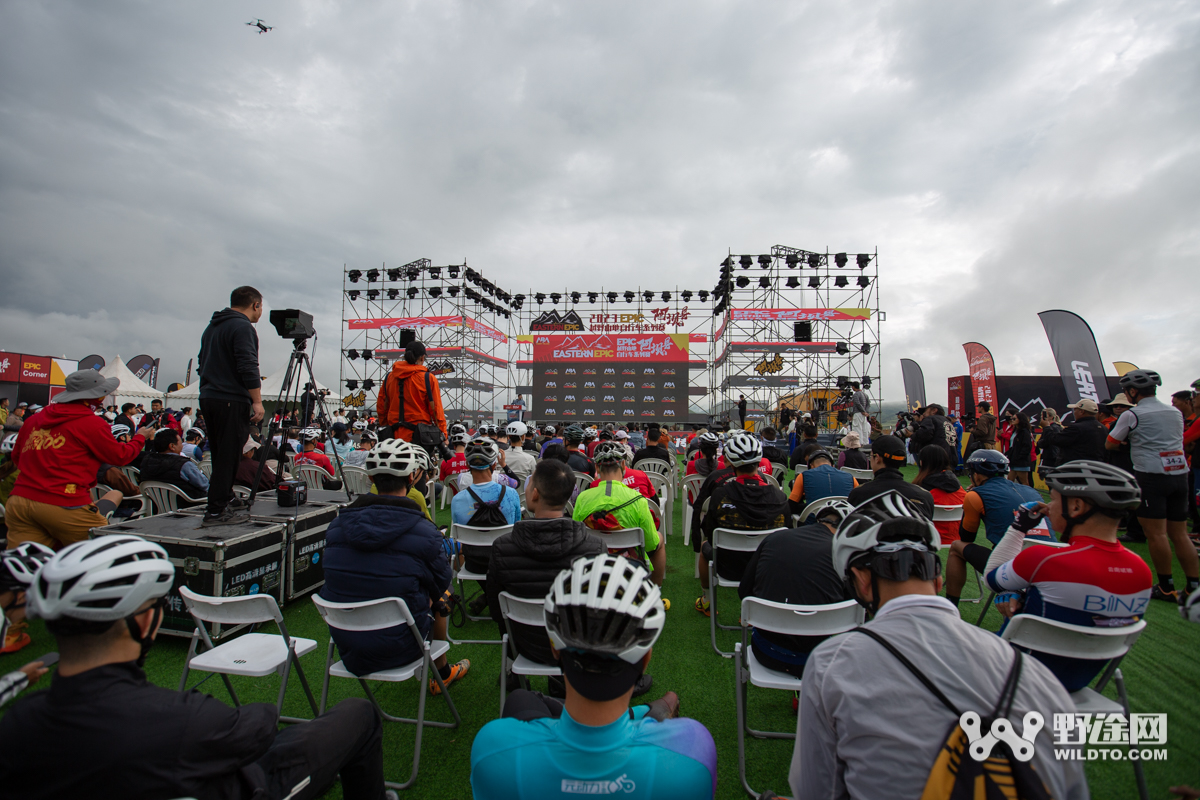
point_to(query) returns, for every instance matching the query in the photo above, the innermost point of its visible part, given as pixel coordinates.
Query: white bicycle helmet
(549, 430)
(840, 508)
(310, 435)
(120, 430)
(394, 457)
(101, 580)
(606, 605)
(609, 451)
(424, 460)
(19, 565)
(10, 442)
(517, 428)
(194, 433)
(369, 436)
(481, 453)
(709, 438)
(456, 428)
(859, 532)
(462, 437)
(1190, 610)
(360, 425)
(742, 449)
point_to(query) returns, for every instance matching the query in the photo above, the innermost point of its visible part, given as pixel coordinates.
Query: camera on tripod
(292, 323)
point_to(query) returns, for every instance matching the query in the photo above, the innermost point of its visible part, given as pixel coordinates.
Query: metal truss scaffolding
(792, 328)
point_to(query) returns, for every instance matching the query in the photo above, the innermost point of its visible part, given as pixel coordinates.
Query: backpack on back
(488, 514)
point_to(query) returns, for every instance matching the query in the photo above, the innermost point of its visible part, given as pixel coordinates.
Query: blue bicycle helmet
(988, 462)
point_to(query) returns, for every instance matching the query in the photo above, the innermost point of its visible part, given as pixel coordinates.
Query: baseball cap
(890, 449)
(621, 435)
(249, 445)
(1086, 404)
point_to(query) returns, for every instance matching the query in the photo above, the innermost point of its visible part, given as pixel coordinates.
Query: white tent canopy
(189, 392)
(272, 386)
(132, 389)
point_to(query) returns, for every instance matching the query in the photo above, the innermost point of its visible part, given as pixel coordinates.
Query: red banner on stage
(983, 373)
(797, 314)
(612, 347)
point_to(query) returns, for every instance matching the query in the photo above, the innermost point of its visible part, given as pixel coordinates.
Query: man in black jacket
(526, 562)
(887, 457)
(654, 448)
(129, 738)
(932, 430)
(230, 397)
(771, 451)
(1082, 439)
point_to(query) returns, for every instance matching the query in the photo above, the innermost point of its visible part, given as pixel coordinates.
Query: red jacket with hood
(59, 451)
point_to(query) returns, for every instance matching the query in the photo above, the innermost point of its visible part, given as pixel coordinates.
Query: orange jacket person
(409, 375)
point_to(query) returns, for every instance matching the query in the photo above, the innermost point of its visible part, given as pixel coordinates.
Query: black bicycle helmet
(1140, 379)
(988, 462)
(820, 454)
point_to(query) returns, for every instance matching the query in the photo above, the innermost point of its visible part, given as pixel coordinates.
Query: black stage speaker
(803, 331)
(407, 335)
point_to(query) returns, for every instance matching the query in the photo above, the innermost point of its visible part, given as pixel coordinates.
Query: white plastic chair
(623, 539)
(739, 541)
(1042, 635)
(206, 468)
(357, 480)
(374, 615)
(250, 654)
(165, 497)
(992, 595)
(133, 473)
(664, 507)
(583, 481)
(817, 505)
(862, 475)
(779, 472)
(477, 537)
(790, 620)
(691, 489)
(656, 465)
(314, 477)
(525, 611)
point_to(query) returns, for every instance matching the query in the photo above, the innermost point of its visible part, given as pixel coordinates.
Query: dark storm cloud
(1004, 159)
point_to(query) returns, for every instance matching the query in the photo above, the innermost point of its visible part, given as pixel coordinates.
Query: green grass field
(1162, 674)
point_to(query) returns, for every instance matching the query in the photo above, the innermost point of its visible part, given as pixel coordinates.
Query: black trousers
(228, 427)
(347, 739)
(528, 706)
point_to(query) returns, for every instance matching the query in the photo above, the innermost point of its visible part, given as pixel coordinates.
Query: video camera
(292, 323)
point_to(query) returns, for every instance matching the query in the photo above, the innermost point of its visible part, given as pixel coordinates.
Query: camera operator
(308, 405)
(410, 403)
(230, 397)
(931, 426)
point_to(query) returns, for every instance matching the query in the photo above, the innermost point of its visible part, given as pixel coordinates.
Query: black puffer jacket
(526, 562)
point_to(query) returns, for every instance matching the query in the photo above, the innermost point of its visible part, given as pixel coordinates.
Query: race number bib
(1173, 461)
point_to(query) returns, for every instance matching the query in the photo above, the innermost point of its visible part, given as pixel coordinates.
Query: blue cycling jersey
(636, 758)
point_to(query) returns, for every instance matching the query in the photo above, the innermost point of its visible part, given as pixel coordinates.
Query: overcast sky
(1005, 158)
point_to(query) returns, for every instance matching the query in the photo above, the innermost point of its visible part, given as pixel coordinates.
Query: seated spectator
(456, 465)
(991, 500)
(551, 437)
(1094, 581)
(808, 441)
(311, 453)
(483, 502)
(612, 505)
(248, 469)
(519, 462)
(852, 456)
(622, 437)
(869, 727)
(744, 502)
(937, 477)
(655, 448)
(382, 545)
(129, 738)
(794, 566)
(358, 456)
(543, 748)
(525, 562)
(821, 480)
(771, 451)
(17, 569)
(887, 457)
(339, 442)
(576, 458)
(167, 464)
(418, 489)
(704, 461)
(193, 444)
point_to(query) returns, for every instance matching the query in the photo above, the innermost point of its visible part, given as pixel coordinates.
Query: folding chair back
(794, 620)
(771, 479)
(357, 480)
(371, 615)
(817, 505)
(527, 611)
(479, 537)
(656, 465)
(801, 468)
(778, 471)
(861, 474)
(1056, 638)
(314, 477)
(742, 541)
(623, 539)
(947, 513)
(98, 491)
(245, 609)
(165, 497)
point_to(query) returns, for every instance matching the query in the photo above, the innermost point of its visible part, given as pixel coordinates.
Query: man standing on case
(230, 397)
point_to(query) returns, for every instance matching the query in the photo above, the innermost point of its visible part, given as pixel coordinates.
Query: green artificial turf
(1162, 674)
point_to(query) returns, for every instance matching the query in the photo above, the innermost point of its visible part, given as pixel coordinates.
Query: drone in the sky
(262, 26)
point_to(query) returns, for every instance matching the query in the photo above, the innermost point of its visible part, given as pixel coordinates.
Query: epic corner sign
(31, 371)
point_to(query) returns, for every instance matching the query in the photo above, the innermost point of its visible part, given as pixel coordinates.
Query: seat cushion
(252, 654)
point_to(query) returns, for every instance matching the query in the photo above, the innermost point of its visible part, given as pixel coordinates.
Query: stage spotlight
(866, 382)
(793, 282)
(372, 275)
(612, 297)
(555, 297)
(841, 281)
(843, 348)
(865, 349)
(435, 272)
(687, 295)
(372, 294)
(648, 296)
(354, 275)
(434, 291)
(352, 294)
(470, 275)
(393, 294)
(746, 261)
(842, 381)
(540, 297)
(352, 384)
(764, 281)
(814, 260)
(863, 260)
(864, 281)
(764, 260)
(352, 354)
(703, 295)
(393, 274)
(575, 297)
(412, 273)
(413, 292)
(727, 264)
(840, 259)
(666, 296)
(367, 355)
(368, 384)
(488, 286)
(743, 281)
(453, 290)
(593, 296)
(519, 299)
(453, 270)
(793, 260)
(814, 281)
(629, 297)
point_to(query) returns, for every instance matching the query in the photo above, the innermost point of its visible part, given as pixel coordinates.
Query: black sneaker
(1130, 538)
(643, 685)
(227, 517)
(238, 503)
(1158, 593)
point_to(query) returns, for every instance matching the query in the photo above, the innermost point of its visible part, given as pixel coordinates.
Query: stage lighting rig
(453, 270)
(541, 298)
(471, 275)
(372, 294)
(453, 291)
(648, 296)
(864, 281)
(575, 297)
(413, 292)
(764, 261)
(840, 259)
(792, 260)
(372, 275)
(354, 275)
(866, 382)
(393, 294)
(814, 281)
(393, 274)
(814, 260)
(793, 282)
(368, 384)
(629, 297)
(352, 384)
(764, 281)
(840, 281)
(367, 355)
(435, 291)
(746, 261)
(863, 260)
(352, 355)
(843, 348)
(555, 297)
(686, 294)
(703, 294)
(666, 296)
(593, 297)
(435, 272)
(352, 294)
(412, 273)
(612, 297)
(865, 349)
(742, 282)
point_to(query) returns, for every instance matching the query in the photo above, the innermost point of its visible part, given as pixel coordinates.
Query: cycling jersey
(316, 458)
(635, 479)
(633, 757)
(610, 495)
(1155, 433)
(1090, 582)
